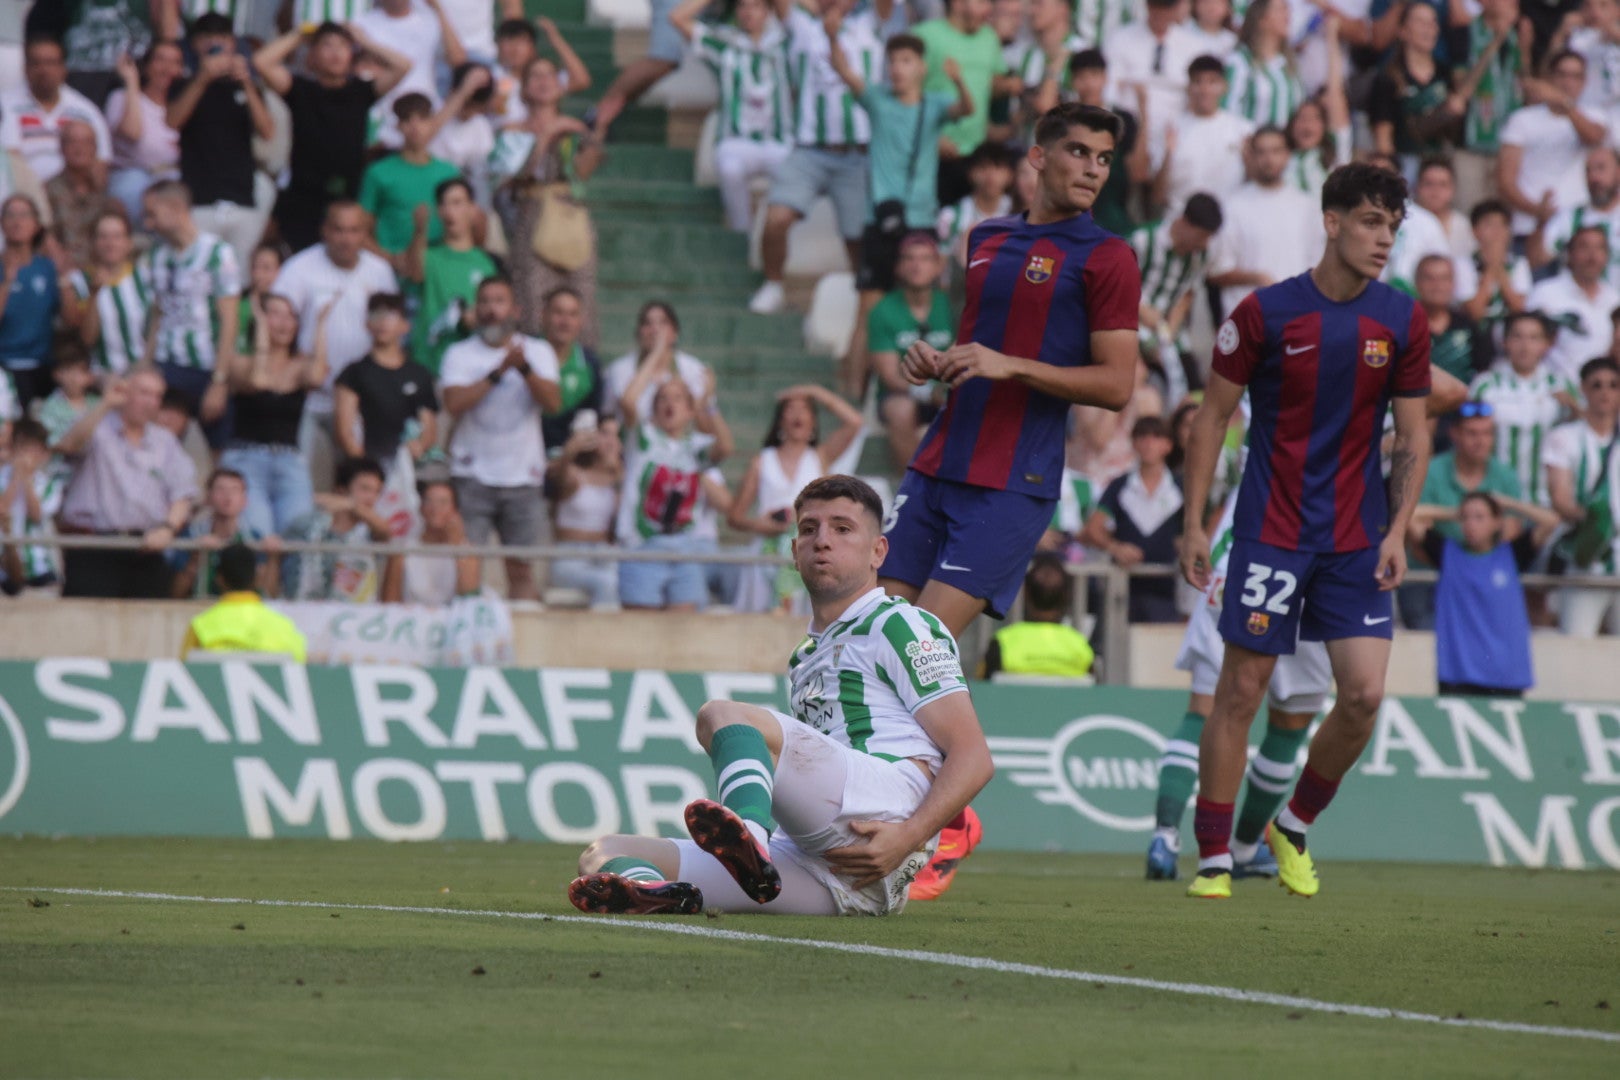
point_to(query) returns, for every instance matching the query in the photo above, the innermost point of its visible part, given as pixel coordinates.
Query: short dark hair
(1433, 256)
(1150, 427)
(350, 469)
(69, 352)
(210, 22)
(237, 568)
(1486, 208)
(1349, 186)
(1437, 163)
(327, 29)
(424, 486)
(496, 279)
(1549, 329)
(445, 187)
(415, 103)
(842, 486)
(1599, 364)
(1601, 230)
(1057, 121)
(30, 430)
(1485, 497)
(223, 474)
(169, 189)
(560, 290)
(517, 28)
(33, 40)
(459, 73)
(173, 399)
(1203, 212)
(1087, 60)
(1047, 586)
(385, 301)
(905, 43)
(1205, 65)
(1565, 54)
(990, 152)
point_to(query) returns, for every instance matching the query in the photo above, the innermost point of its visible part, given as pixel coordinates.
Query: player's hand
(1195, 559)
(921, 363)
(1391, 563)
(974, 361)
(885, 847)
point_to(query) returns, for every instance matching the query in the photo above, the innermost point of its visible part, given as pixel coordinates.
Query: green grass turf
(98, 986)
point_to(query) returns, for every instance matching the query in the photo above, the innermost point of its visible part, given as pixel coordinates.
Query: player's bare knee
(1358, 703)
(713, 716)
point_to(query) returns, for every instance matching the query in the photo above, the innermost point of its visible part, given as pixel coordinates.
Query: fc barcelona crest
(1259, 622)
(1375, 353)
(1039, 270)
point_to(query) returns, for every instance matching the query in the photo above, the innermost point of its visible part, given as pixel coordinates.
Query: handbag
(562, 235)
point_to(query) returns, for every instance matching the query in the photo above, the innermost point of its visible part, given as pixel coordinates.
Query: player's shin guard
(1271, 771)
(1212, 825)
(1178, 772)
(1311, 796)
(742, 772)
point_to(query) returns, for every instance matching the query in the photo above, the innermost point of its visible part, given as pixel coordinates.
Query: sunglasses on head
(1470, 409)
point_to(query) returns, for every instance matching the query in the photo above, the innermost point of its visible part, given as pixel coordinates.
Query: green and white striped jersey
(1557, 233)
(1308, 172)
(756, 101)
(1094, 20)
(1263, 92)
(1526, 411)
(121, 310)
(1030, 65)
(1166, 276)
(235, 10)
(1077, 498)
(862, 680)
(315, 12)
(827, 112)
(49, 485)
(1498, 93)
(183, 286)
(1576, 447)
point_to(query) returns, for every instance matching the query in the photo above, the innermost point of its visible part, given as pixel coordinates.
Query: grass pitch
(128, 986)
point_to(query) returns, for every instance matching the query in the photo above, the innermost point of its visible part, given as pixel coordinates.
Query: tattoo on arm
(1402, 472)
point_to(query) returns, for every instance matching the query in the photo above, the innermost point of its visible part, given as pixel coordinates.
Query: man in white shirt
(419, 31)
(31, 121)
(1600, 208)
(1272, 230)
(1580, 302)
(1418, 236)
(1203, 146)
(1153, 54)
(1436, 192)
(1538, 169)
(338, 272)
(496, 385)
(1597, 40)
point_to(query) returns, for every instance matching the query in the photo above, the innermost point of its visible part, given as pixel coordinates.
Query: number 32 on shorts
(1268, 588)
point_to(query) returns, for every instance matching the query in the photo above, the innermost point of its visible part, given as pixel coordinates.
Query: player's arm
(1221, 399)
(1408, 465)
(953, 725)
(1446, 392)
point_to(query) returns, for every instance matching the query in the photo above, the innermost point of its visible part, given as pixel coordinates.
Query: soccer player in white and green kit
(832, 809)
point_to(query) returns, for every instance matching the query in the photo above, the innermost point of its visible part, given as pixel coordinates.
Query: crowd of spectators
(353, 230)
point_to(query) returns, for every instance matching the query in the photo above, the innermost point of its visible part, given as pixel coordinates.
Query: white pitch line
(923, 956)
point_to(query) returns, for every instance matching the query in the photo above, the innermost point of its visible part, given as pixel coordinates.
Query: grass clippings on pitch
(126, 986)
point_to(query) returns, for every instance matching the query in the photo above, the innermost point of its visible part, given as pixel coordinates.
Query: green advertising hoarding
(89, 747)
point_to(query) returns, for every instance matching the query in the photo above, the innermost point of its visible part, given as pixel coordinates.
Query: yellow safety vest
(1044, 648)
(241, 623)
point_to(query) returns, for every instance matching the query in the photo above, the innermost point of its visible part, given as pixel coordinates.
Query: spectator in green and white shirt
(1600, 209)
(1495, 283)
(1499, 52)
(194, 283)
(1043, 63)
(1583, 471)
(915, 310)
(110, 300)
(1262, 80)
(1172, 255)
(1095, 20)
(30, 497)
(1527, 399)
(63, 407)
(756, 102)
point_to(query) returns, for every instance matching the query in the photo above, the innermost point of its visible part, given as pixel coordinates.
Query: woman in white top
(1319, 130)
(582, 485)
(434, 580)
(1211, 25)
(794, 455)
(145, 147)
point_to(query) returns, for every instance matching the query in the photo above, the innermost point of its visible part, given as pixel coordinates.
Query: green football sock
(742, 772)
(1178, 771)
(1270, 775)
(627, 866)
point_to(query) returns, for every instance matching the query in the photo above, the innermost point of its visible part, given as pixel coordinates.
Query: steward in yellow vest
(240, 622)
(1042, 644)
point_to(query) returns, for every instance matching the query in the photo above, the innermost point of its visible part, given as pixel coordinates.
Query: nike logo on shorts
(1368, 620)
(958, 569)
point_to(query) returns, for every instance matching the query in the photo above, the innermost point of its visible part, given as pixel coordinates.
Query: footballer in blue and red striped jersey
(1320, 535)
(1050, 320)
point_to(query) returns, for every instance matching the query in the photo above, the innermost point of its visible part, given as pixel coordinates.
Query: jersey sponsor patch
(1227, 339)
(933, 661)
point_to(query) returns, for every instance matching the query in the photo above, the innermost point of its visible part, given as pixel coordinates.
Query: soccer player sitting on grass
(831, 810)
